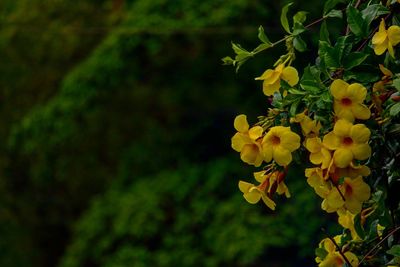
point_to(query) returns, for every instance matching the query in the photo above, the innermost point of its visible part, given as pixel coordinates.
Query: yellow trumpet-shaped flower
(334, 257)
(350, 195)
(349, 142)
(247, 141)
(253, 194)
(278, 144)
(348, 100)
(272, 78)
(346, 219)
(319, 154)
(385, 39)
(351, 171)
(309, 127)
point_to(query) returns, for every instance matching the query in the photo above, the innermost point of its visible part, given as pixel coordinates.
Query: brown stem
(379, 243)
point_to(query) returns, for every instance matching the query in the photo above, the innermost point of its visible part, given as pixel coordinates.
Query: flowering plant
(339, 118)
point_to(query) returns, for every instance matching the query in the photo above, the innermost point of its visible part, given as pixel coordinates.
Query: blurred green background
(116, 118)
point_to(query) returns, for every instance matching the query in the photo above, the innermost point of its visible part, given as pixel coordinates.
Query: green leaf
(353, 60)
(300, 17)
(396, 84)
(227, 61)
(395, 251)
(238, 49)
(324, 33)
(299, 44)
(371, 12)
(331, 4)
(395, 109)
(298, 28)
(284, 20)
(262, 36)
(335, 14)
(356, 22)
(358, 227)
(261, 47)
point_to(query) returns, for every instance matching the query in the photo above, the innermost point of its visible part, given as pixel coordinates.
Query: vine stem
(379, 243)
(340, 251)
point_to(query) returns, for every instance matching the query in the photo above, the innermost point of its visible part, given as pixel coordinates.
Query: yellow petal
(331, 141)
(343, 112)
(385, 71)
(249, 153)
(352, 258)
(269, 202)
(361, 112)
(260, 176)
(359, 133)
(394, 34)
(339, 89)
(282, 156)
(361, 151)
(357, 92)
(390, 49)
(239, 140)
(241, 125)
(255, 132)
(361, 190)
(313, 144)
(342, 157)
(380, 48)
(290, 75)
(267, 152)
(334, 199)
(244, 187)
(316, 158)
(379, 38)
(266, 75)
(270, 89)
(342, 128)
(290, 141)
(252, 197)
(326, 154)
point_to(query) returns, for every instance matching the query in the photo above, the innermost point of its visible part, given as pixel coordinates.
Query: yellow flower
(272, 78)
(351, 171)
(247, 141)
(278, 144)
(253, 194)
(349, 195)
(346, 219)
(315, 178)
(319, 154)
(333, 257)
(309, 127)
(348, 100)
(386, 39)
(349, 142)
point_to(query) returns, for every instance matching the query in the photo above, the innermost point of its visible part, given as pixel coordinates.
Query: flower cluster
(340, 123)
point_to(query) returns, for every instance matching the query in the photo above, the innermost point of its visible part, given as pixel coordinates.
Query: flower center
(346, 101)
(347, 141)
(275, 140)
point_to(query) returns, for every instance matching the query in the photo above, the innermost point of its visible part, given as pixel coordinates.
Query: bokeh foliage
(98, 98)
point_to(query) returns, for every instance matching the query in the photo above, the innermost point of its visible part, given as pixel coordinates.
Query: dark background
(116, 118)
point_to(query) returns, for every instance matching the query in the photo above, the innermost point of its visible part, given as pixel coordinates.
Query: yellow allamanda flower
(253, 193)
(315, 178)
(351, 171)
(334, 258)
(353, 192)
(247, 141)
(309, 127)
(385, 39)
(272, 78)
(348, 100)
(349, 142)
(278, 144)
(346, 219)
(319, 154)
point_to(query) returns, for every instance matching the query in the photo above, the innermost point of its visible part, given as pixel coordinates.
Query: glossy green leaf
(373, 11)
(284, 20)
(395, 109)
(324, 32)
(335, 14)
(300, 17)
(354, 59)
(356, 22)
(395, 251)
(330, 4)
